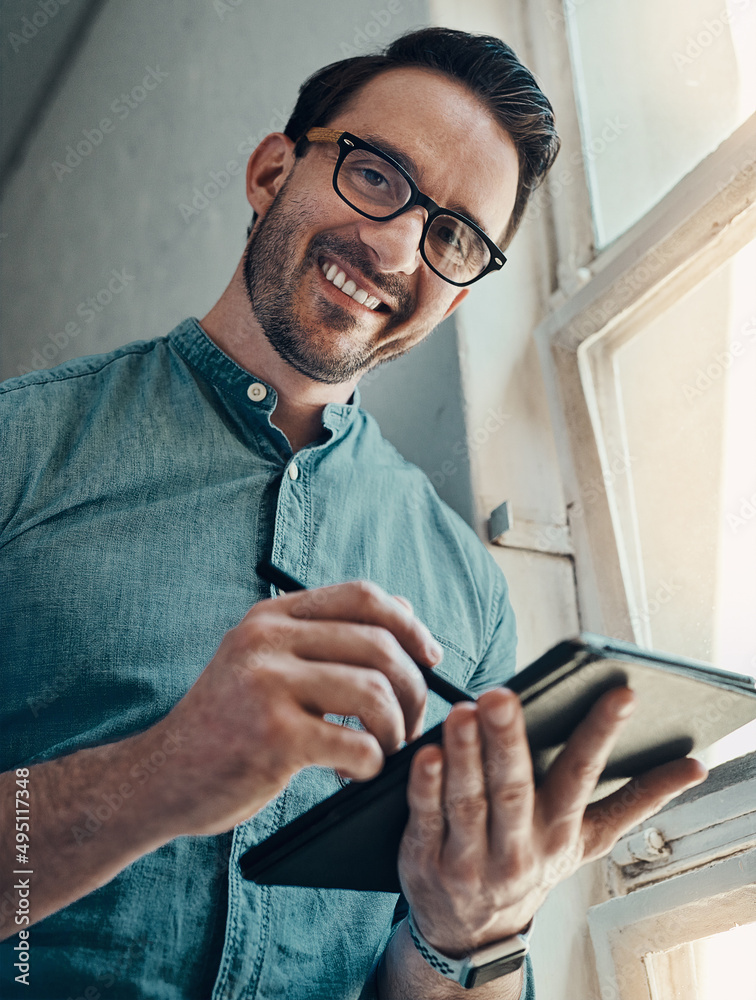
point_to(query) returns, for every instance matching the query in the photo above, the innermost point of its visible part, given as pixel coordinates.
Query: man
(153, 480)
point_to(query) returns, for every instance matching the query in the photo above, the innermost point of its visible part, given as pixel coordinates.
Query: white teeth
(338, 278)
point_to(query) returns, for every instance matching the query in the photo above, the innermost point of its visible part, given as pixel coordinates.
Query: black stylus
(446, 690)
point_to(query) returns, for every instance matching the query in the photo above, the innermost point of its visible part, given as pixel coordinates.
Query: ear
(458, 299)
(267, 169)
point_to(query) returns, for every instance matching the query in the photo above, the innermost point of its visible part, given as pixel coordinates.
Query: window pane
(725, 964)
(709, 968)
(660, 86)
(686, 404)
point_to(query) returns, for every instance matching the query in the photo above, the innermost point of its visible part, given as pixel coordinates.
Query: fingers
(572, 778)
(368, 646)
(345, 690)
(403, 601)
(351, 753)
(608, 820)
(365, 603)
(464, 790)
(424, 834)
(487, 794)
(509, 776)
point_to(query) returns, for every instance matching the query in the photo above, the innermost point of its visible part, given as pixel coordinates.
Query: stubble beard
(271, 284)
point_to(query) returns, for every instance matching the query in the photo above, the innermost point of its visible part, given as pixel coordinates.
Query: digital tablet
(351, 839)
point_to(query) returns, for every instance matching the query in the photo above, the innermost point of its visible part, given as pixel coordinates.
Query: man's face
(464, 162)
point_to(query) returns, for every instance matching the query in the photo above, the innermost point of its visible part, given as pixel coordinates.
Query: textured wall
(126, 211)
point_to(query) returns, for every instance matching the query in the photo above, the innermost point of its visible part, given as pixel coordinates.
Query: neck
(232, 325)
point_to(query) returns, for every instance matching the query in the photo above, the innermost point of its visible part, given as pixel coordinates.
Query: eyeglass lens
(372, 185)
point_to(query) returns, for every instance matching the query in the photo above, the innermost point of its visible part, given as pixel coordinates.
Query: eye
(452, 244)
(373, 177)
(369, 182)
(453, 237)
(449, 236)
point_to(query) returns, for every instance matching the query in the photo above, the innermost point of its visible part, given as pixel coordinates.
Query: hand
(483, 847)
(255, 715)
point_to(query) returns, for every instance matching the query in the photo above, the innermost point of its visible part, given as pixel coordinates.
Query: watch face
(496, 969)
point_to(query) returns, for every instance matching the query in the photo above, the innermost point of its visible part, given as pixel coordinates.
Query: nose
(396, 243)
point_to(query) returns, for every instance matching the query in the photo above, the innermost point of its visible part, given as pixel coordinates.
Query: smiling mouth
(351, 289)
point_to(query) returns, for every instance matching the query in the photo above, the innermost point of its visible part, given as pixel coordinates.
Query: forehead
(464, 157)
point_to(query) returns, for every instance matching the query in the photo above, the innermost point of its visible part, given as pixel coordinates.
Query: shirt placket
(249, 905)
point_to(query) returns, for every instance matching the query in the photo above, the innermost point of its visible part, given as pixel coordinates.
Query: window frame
(702, 846)
(590, 300)
(695, 228)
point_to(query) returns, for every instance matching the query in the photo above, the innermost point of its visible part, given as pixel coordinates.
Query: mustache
(354, 253)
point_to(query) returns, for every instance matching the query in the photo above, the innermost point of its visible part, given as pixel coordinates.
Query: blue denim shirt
(139, 490)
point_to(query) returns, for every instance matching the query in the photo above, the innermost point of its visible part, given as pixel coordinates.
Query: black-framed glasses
(375, 185)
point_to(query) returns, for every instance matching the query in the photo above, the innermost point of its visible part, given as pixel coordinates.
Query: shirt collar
(233, 381)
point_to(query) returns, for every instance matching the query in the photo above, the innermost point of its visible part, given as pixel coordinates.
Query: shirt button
(293, 471)
(257, 392)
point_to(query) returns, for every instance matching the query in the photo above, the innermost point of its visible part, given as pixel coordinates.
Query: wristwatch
(482, 965)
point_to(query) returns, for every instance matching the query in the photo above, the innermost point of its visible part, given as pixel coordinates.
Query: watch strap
(482, 965)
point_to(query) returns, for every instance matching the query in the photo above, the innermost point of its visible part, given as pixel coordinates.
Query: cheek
(430, 311)
(436, 299)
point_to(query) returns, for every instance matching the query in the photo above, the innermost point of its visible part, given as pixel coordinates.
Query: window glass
(709, 968)
(686, 404)
(660, 86)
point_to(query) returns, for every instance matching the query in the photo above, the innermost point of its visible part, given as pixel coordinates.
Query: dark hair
(487, 66)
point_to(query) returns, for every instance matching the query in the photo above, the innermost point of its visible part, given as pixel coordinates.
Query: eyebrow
(406, 161)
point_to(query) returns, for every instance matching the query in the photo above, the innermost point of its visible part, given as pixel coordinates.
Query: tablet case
(351, 839)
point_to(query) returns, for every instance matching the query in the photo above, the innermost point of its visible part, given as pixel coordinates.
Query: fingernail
(626, 708)
(468, 731)
(433, 767)
(699, 780)
(502, 714)
(434, 651)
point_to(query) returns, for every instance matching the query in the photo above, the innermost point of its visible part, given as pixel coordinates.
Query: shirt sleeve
(497, 665)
